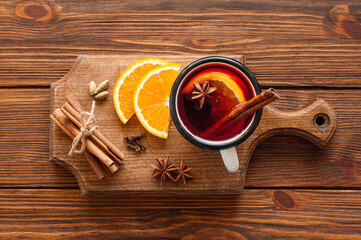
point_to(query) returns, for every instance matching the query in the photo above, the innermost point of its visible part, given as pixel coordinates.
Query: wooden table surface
(305, 49)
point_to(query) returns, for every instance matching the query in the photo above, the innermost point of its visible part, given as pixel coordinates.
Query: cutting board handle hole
(321, 121)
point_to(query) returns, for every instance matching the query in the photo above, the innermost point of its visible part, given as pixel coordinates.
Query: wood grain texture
(24, 141)
(303, 45)
(288, 43)
(210, 175)
(24, 156)
(345, 22)
(258, 214)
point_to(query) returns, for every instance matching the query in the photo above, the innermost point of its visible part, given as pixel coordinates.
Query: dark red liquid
(197, 120)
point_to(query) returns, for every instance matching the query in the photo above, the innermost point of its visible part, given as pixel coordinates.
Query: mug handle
(230, 159)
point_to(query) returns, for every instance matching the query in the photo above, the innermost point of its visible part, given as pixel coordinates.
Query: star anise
(183, 172)
(202, 91)
(164, 169)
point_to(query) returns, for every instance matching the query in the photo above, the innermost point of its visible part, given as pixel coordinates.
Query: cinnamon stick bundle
(93, 162)
(109, 145)
(245, 109)
(96, 137)
(103, 157)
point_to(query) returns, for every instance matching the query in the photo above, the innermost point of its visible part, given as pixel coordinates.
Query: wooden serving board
(316, 123)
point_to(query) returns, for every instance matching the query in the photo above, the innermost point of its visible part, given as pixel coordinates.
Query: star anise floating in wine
(201, 91)
(164, 169)
(183, 172)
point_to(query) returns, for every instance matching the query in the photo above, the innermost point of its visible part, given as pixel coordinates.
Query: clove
(134, 142)
(136, 148)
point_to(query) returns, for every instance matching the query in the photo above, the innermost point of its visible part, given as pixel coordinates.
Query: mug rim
(185, 132)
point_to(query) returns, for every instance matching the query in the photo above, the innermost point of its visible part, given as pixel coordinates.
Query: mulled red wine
(227, 87)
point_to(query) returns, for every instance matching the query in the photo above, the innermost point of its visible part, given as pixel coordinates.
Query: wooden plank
(112, 19)
(258, 214)
(334, 63)
(33, 69)
(291, 43)
(24, 139)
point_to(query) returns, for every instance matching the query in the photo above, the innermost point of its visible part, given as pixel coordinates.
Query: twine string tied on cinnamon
(78, 145)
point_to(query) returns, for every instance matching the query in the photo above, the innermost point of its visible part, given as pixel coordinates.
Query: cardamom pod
(102, 86)
(92, 87)
(102, 95)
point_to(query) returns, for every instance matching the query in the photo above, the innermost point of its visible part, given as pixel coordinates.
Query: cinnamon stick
(106, 169)
(245, 109)
(75, 117)
(95, 165)
(90, 146)
(93, 162)
(109, 145)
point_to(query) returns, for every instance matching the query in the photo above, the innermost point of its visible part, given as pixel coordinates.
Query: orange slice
(221, 82)
(126, 84)
(151, 99)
